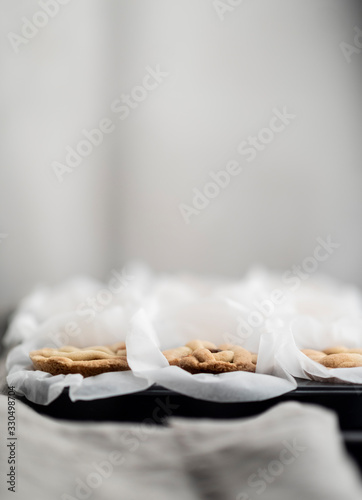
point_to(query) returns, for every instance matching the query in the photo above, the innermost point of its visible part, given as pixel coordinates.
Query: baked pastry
(336, 357)
(201, 356)
(87, 361)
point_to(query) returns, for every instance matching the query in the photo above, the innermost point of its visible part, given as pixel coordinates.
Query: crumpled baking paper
(178, 308)
(316, 295)
(82, 296)
(147, 361)
(46, 302)
(292, 334)
(42, 388)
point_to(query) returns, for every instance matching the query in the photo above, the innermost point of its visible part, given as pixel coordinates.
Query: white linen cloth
(296, 448)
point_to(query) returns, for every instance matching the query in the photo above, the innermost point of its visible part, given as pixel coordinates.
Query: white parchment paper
(45, 302)
(293, 334)
(82, 296)
(179, 308)
(42, 388)
(147, 361)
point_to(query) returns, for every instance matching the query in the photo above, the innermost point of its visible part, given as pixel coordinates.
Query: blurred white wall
(56, 85)
(225, 77)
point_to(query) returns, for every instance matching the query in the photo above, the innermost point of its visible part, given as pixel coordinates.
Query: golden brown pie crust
(336, 357)
(87, 361)
(200, 356)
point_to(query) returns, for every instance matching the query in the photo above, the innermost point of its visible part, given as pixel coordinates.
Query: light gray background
(225, 78)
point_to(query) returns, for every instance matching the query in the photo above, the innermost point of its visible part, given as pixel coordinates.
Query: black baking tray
(157, 404)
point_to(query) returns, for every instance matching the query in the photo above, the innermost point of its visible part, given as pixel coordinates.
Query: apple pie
(200, 356)
(87, 361)
(336, 357)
